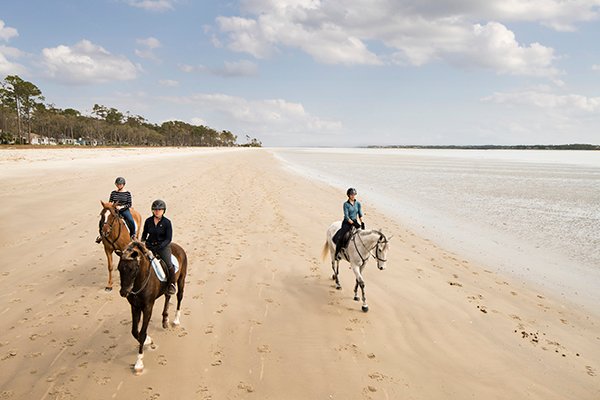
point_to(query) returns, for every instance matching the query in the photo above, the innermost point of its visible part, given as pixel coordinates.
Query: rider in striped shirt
(122, 199)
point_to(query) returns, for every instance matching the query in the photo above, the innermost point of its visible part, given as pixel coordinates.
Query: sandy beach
(261, 317)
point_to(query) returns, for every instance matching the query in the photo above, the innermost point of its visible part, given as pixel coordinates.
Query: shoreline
(551, 272)
(260, 305)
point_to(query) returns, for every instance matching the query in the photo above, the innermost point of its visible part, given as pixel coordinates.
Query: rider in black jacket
(157, 234)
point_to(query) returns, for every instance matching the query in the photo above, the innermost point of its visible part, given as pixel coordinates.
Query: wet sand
(261, 317)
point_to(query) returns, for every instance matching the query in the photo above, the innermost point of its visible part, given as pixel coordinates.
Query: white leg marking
(139, 364)
(176, 321)
(148, 340)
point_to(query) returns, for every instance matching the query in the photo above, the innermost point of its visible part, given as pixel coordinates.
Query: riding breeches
(126, 214)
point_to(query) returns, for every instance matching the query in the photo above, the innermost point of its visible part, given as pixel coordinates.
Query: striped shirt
(122, 198)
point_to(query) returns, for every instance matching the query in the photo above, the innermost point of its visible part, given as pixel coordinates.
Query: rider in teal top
(352, 219)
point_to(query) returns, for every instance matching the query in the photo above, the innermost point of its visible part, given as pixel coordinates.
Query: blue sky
(322, 73)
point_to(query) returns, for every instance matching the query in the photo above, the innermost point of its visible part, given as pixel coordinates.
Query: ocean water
(532, 214)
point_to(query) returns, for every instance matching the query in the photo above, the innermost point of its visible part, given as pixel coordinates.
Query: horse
(360, 248)
(114, 233)
(141, 287)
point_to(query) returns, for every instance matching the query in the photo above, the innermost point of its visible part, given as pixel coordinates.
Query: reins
(146, 281)
(370, 251)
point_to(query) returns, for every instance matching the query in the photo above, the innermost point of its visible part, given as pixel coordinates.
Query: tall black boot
(171, 283)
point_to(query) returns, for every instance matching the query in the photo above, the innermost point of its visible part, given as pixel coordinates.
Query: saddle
(344, 240)
(160, 267)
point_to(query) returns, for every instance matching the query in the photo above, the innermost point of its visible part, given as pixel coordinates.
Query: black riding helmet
(159, 205)
(120, 181)
(350, 191)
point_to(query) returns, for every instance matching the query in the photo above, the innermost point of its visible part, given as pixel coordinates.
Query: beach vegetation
(26, 119)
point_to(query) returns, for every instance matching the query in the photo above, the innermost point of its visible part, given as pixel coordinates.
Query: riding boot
(171, 283)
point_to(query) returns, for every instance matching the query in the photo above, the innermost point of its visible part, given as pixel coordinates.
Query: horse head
(108, 215)
(381, 249)
(132, 259)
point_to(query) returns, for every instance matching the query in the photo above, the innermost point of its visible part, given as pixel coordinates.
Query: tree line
(24, 117)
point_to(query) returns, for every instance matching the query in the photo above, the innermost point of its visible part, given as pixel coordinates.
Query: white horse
(362, 244)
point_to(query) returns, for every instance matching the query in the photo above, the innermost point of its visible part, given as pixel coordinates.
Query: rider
(352, 215)
(121, 198)
(157, 235)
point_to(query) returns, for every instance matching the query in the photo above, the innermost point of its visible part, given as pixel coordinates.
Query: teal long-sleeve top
(351, 211)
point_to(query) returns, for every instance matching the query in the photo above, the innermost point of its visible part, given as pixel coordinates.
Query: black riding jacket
(158, 236)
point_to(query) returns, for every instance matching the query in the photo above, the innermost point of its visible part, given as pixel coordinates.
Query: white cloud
(259, 116)
(8, 67)
(153, 5)
(168, 83)
(148, 44)
(86, 63)
(6, 32)
(229, 69)
(464, 33)
(563, 103)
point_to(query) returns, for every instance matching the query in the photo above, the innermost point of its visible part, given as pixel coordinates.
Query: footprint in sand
(162, 360)
(245, 386)
(263, 348)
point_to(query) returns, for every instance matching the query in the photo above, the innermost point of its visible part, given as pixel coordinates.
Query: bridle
(135, 293)
(110, 228)
(370, 251)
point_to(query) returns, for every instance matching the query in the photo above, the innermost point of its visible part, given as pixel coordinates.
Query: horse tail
(325, 250)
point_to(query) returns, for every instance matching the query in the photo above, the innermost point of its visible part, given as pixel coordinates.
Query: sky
(322, 73)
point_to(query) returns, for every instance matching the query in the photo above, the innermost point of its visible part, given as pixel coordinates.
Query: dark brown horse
(114, 233)
(141, 287)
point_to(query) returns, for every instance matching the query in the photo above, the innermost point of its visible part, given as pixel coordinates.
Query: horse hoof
(356, 298)
(165, 323)
(138, 368)
(365, 308)
(338, 287)
(108, 289)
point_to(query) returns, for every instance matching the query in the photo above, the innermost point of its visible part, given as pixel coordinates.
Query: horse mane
(137, 245)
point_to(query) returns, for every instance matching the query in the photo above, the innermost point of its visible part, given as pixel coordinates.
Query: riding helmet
(350, 191)
(120, 181)
(159, 205)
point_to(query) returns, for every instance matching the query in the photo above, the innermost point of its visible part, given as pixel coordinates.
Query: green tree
(23, 96)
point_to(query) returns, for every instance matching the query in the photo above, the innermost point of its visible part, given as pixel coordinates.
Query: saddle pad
(160, 272)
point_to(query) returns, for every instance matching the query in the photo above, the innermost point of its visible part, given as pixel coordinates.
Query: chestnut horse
(114, 233)
(141, 287)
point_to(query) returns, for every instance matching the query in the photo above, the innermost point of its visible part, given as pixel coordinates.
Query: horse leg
(135, 321)
(109, 259)
(360, 282)
(143, 338)
(180, 286)
(335, 265)
(165, 313)
(364, 307)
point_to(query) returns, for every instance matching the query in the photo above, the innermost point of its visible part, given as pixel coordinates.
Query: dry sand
(261, 317)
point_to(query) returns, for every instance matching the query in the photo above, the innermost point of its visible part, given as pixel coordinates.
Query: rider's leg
(342, 237)
(165, 255)
(129, 220)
